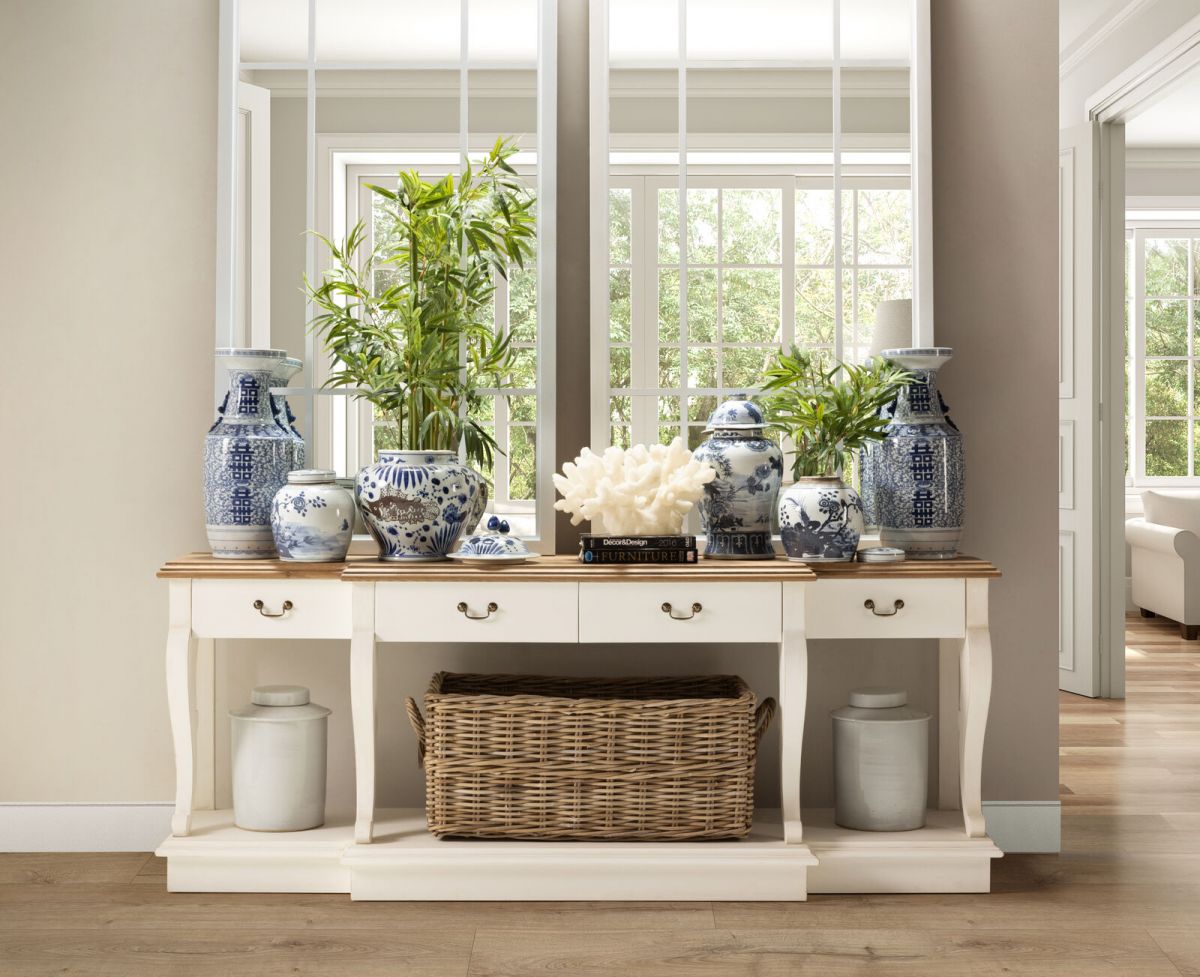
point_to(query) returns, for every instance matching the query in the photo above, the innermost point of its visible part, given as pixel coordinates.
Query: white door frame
(1123, 98)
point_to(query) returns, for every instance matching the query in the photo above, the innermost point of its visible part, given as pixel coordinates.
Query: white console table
(388, 854)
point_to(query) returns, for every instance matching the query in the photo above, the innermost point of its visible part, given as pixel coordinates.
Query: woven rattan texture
(540, 757)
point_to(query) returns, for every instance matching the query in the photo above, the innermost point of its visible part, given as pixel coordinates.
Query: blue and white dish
(494, 547)
(418, 504)
(312, 518)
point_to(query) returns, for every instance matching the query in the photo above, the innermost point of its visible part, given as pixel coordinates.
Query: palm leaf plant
(408, 322)
(829, 411)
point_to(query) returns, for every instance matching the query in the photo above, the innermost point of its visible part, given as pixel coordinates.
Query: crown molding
(1113, 19)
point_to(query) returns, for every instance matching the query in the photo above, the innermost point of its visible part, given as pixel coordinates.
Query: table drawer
(634, 612)
(226, 609)
(519, 612)
(930, 608)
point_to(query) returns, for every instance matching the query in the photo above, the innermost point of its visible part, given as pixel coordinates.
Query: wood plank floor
(1124, 898)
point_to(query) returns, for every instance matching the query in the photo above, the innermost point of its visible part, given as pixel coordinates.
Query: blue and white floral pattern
(919, 470)
(247, 456)
(312, 518)
(820, 520)
(739, 504)
(283, 411)
(416, 504)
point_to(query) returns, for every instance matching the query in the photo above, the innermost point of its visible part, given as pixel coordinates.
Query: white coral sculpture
(642, 490)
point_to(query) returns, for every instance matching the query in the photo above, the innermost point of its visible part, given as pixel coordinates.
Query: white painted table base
(389, 855)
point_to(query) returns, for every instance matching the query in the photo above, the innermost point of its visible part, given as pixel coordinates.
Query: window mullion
(1137, 342)
(787, 254)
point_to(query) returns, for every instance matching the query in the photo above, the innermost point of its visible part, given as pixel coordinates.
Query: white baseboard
(1023, 827)
(111, 826)
(1015, 826)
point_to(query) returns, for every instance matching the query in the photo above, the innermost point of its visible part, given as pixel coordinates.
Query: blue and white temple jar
(738, 507)
(283, 411)
(920, 473)
(820, 520)
(416, 504)
(247, 457)
(312, 518)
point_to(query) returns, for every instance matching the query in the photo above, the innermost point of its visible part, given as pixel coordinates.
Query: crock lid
(311, 476)
(880, 554)
(878, 697)
(737, 414)
(280, 695)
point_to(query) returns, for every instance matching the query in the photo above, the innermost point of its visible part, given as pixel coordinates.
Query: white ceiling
(1172, 121)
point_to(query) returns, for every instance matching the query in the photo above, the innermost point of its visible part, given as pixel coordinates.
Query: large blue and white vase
(283, 410)
(920, 475)
(247, 456)
(820, 520)
(738, 507)
(416, 504)
(312, 518)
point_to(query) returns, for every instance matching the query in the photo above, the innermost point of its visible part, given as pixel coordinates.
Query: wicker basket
(527, 756)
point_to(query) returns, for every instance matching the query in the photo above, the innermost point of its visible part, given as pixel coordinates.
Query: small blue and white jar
(920, 470)
(312, 518)
(738, 507)
(418, 504)
(820, 520)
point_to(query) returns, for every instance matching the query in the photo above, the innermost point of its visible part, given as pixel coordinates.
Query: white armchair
(1165, 551)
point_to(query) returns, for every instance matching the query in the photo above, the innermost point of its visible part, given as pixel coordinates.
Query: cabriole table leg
(793, 700)
(181, 702)
(362, 705)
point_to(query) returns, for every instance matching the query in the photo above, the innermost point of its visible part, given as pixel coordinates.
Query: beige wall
(107, 396)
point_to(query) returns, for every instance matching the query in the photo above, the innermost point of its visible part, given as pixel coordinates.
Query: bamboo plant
(829, 412)
(408, 322)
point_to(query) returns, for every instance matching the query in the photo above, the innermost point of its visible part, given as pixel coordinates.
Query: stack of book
(597, 549)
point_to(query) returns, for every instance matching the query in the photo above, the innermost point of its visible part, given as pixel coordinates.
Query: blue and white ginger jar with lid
(312, 518)
(738, 507)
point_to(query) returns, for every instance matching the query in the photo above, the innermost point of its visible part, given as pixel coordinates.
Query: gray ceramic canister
(880, 761)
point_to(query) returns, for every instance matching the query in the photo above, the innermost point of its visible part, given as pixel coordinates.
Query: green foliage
(828, 411)
(409, 324)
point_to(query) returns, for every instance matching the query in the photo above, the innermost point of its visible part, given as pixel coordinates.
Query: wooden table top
(567, 569)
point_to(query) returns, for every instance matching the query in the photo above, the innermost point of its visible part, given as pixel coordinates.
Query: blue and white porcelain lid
(736, 414)
(494, 542)
(311, 476)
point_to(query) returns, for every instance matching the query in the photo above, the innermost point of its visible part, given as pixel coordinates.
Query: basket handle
(762, 717)
(418, 725)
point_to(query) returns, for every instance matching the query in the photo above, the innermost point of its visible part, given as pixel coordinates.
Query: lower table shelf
(407, 863)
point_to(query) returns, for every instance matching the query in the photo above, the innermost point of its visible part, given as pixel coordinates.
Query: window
(785, 162)
(752, 286)
(329, 96)
(1162, 319)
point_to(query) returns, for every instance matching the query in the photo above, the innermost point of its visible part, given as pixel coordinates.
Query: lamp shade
(893, 325)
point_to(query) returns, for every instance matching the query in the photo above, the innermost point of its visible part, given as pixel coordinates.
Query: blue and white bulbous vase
(921, 472)
(283, 410)
(247, 457)
(416, 504)
(738, 507)
(820, 520)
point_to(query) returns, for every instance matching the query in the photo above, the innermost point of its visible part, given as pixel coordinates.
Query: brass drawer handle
(696, 609)
(261, 608)
(870, 606)
(466, 611)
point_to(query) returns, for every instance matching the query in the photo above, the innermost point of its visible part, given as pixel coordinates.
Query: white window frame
(644, 184)
(690, 160)
(1143, 223)
(312, 403)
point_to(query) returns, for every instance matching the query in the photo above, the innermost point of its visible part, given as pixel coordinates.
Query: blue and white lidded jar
(919, 468)
(312, 518)
(738, 507)
(417, 504)
(247, 456)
